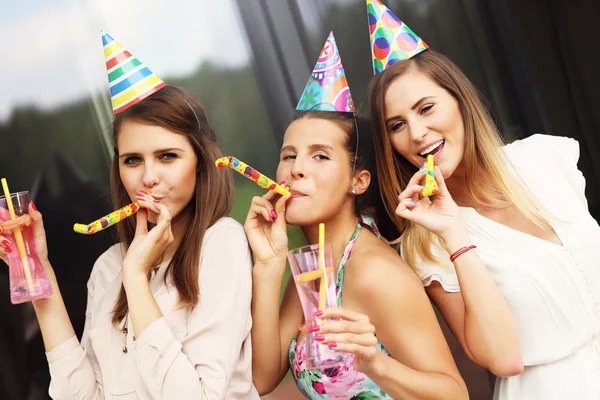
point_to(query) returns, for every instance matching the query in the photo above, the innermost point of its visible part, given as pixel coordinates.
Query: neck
(338, 231)
(458, 188)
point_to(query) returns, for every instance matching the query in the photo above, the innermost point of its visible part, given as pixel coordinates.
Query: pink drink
(23, 289)
(307, 275)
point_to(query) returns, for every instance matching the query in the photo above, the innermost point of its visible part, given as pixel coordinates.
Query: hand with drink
(24, 245)
(349, 332)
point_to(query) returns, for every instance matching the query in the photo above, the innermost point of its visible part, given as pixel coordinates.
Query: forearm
(489, 328)
(52, 315)
(266, 334)
(402, 382)
(143, 308)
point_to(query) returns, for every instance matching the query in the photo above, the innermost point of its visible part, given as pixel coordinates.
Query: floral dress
(343, 381)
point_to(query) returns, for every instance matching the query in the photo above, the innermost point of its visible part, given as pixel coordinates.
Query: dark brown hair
(178, 111)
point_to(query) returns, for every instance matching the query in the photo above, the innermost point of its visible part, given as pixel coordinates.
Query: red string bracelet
(461, 251)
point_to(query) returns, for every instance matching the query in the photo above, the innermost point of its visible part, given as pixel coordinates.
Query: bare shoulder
(375, 266)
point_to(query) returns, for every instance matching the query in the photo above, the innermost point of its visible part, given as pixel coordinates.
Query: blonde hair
(481, 153)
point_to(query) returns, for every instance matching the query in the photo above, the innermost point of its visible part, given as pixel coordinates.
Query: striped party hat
(391, 39)
(327, 89)
(129, 79)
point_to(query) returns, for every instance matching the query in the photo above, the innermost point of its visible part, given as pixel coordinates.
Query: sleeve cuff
(63, 349)
(450, 287)
(152, 331)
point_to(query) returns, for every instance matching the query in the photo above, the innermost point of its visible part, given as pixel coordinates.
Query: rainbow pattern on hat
(129, 79)
(391, 39)
(327, 89)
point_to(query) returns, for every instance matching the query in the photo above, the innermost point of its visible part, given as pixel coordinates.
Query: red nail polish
(273, 214)
(33, 206)
(319, 338)
(281, 183)
(332, 344)
(8, 249)
(5, 243)
(315, 328)
(318, 313)
(288, 199)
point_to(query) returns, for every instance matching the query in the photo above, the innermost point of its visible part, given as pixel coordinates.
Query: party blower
(108, 220)
(431, 187)
(250, 173)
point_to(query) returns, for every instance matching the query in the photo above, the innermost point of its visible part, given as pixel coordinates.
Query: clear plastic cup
(308, 276)
(28, 280)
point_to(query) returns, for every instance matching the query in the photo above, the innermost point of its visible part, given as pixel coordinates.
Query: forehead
(135, 136)
(407, 89)
(308, 131)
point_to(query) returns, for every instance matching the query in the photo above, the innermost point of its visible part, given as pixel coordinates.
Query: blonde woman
(507, 251)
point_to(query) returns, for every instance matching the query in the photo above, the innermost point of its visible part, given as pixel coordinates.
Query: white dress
(553, 291)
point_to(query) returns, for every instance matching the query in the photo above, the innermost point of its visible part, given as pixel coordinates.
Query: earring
(354, 190)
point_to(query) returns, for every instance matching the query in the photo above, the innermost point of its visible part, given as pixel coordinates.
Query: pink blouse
(202, 352)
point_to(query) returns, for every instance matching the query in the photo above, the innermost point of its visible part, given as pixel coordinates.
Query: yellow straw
(18, 235)
(323, 286)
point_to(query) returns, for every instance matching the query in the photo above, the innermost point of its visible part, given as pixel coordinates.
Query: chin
(299, 217)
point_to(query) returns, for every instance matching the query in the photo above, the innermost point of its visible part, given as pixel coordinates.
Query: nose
(297, 170)
(418, 130)
(150, 178)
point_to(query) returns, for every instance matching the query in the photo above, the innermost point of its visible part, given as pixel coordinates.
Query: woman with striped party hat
(168, 311)
(508, 250)
(323, 162)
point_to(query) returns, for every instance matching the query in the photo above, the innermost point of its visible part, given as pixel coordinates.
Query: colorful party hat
(327, 89)
(129, 79)
(391, 39)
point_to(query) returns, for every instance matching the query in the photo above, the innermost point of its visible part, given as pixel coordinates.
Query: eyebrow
(417, 104)
(312, 147)
(124, 155)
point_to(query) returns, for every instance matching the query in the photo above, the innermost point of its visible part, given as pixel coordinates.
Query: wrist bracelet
(461, 251)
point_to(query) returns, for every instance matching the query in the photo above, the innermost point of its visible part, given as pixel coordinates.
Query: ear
(361, 181)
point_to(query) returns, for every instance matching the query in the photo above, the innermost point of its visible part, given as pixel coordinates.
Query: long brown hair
(178, 111)
(482, 157)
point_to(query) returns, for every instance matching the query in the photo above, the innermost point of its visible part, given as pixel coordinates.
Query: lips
(297, 193)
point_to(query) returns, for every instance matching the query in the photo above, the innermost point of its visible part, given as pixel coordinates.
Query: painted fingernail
(332, 344)
(315, 328)
(33, 206)
(156, 201)
(319, 338)
(273, 214)
(281, 183)
(5, 243)
(318, 313)
(8, 249)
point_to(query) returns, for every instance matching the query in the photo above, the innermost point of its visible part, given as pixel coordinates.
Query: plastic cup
(23, 286)
(308, 276)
